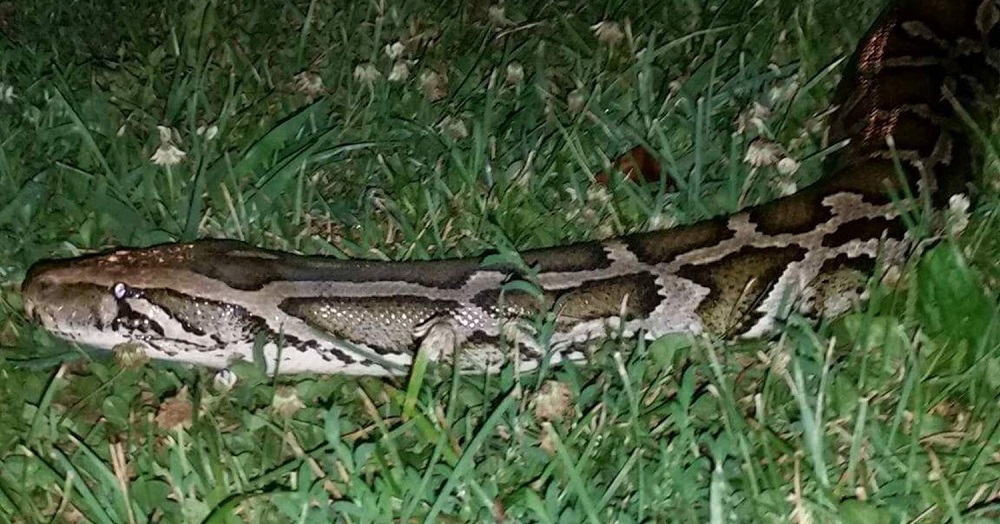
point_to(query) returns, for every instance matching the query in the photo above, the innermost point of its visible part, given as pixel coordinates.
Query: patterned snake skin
(209, 302)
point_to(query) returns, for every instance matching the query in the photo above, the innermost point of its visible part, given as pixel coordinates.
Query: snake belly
(214, 301)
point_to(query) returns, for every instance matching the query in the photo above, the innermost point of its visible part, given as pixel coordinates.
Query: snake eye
(120, 291)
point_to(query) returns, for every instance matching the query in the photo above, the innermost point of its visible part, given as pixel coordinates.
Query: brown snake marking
(735, 275)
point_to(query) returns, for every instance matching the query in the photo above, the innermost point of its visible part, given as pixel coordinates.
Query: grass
(886, 415)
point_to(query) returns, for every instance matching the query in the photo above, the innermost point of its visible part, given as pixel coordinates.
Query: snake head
(62, 299)
(95, 299)
(163, 299)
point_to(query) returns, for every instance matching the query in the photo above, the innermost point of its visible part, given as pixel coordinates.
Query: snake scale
(922, 65)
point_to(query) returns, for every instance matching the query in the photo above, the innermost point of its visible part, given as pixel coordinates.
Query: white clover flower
(366, 73)
(167, 154)
(394, 50)
(576, 101)
(309, 83)
(786, 187)
(400, 71)
(286, 402)
(957, 215)
(608, 32)
(553, 401)
(167, 134)
(788, 166)
(783, 93)
(224, 381)
(7, 95)
(515, 74)
(762, 152)
(497, 15)
(454, 128)
(433, 85)
(754, 117)
(208, 132)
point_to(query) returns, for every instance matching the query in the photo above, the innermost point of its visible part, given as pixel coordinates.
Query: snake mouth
(71, 308)
(36, 288)
(30, 292)
(29, 312)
